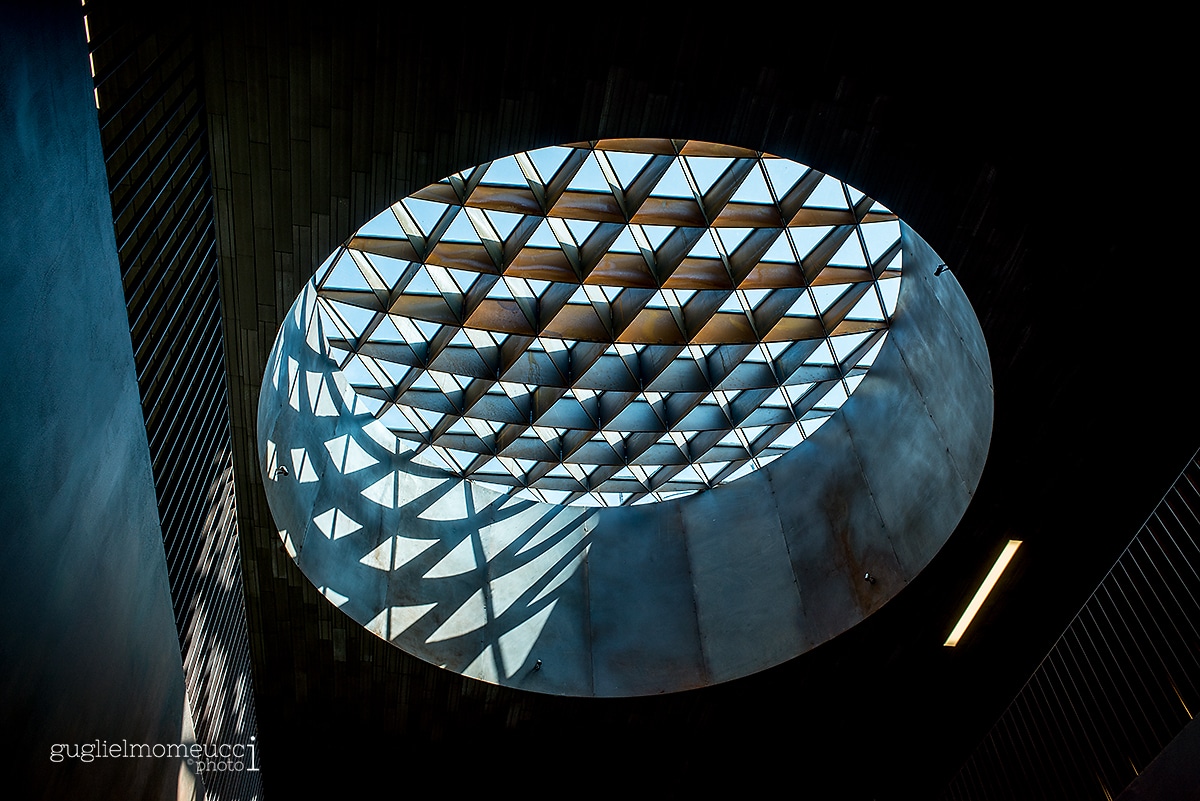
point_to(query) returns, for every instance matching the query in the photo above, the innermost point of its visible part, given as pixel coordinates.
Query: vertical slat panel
(153, 130)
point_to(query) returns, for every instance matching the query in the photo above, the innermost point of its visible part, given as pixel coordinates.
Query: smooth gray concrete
(88, 647)
(646, 599)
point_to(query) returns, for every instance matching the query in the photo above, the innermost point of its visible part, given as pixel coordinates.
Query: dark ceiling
(1044, 167)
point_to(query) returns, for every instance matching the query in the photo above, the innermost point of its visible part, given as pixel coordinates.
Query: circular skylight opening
(471, 411)
(615, 322)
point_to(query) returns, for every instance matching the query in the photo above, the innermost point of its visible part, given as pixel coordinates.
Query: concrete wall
(645, 599)
(88, 648)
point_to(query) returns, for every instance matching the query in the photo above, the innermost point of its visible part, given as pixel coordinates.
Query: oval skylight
(614, 322)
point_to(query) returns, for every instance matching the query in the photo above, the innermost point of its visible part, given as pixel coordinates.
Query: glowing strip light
(982, 593)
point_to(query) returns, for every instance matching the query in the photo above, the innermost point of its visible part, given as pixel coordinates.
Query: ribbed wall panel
(1121, 682)
(152, 119)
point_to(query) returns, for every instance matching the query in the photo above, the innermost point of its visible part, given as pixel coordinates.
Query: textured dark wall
(89, 649)
(155, 141)
(1041, 164)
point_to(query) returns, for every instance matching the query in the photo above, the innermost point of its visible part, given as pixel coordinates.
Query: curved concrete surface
(643, 599)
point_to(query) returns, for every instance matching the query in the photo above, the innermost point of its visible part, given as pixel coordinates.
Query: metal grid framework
(613, 322)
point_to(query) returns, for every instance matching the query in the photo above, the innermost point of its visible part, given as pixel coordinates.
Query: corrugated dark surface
(1121, 682)
(153, 130)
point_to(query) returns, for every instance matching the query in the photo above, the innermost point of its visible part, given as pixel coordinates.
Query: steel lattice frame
(613, 322)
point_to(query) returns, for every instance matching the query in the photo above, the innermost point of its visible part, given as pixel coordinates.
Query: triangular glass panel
(430, 330)
(425, 212)
(657, 234)
(810, 426)
(389, 269)
(731, 303)
(673, 183)
(386, 331)
(821, 355)
(499, 291)
(624, 243)
(755, 296)
(505, 172)
(461, 230)
(845, 344)
(424, 381)
(548, 160)
(807, 237)
(590, 178)
(395, 419)
(705, 248)
(460, 427)
(464, 279)
(834, 398)
(774, 349)
(850, 254)
(827, 195)
(880, 236)
(868, 358)
(581, 229)
(345, 274)
(784, 174)
(627, 165)
(706, 170)
(383, 224)
(732, 238)
(422, 284)
(580, 297)
(357, 374)
(827, 294)
(504, 222)
(890, 290)
(753, 188)
(790, 438)
(867, 308)
(356, 317)
(780, 251)
(543, 236)
(395, 372)
(776, 400)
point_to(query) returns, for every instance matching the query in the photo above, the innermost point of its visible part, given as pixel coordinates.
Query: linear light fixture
(982, 593)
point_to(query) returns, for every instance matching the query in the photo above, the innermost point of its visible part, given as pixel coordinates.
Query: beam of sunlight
(336, 524)
(517, 642)
(335, 597)
(507, 588)
(395, 552)
(383, 491)
(347, 455)
(394, 621)
(471, 616)
(461, 559)
(484, 667)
